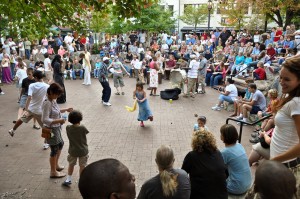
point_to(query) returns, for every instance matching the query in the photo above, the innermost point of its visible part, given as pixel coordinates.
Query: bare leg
(253, 157)
(81, 169)
(70, 170)
(270, 124)
(20, 112)
(57, 157)
(17, 124)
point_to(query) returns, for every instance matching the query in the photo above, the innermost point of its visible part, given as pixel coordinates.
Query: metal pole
(208, 26)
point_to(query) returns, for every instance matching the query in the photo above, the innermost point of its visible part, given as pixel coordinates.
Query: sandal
(150, 118)
(58, 175)
(36, 127)
(60, 168)
(117, 93)
(233, 115)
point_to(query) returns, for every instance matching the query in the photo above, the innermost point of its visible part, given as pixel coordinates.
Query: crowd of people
(208, 61)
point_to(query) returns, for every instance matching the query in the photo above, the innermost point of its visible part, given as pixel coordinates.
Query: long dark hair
(57, 58)
(292, 65)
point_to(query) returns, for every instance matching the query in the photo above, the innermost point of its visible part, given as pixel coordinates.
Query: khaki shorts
(49, 75)
(73, 160)
(27, 116)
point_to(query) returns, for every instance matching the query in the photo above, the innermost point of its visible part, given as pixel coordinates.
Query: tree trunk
(266, 22)
(288, 19)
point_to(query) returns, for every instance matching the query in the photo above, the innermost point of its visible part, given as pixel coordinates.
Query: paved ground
(114, 132)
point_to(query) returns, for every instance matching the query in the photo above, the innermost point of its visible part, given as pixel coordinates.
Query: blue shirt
(248, 60)
(169, 41)
(255, 51)
(268, 41)
(98, 65)
(239, 60)
(196, 127)
(239, 179)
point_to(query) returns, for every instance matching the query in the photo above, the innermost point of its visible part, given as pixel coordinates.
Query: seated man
(257, 103)
(259, 73)
(77, 70)
(107, 178)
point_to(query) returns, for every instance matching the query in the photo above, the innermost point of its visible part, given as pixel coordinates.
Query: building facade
(216, 18)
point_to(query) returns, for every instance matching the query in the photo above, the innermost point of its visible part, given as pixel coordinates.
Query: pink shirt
(61, 52)
(45, 42)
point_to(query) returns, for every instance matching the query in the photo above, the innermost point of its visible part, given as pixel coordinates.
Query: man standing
(33, 108)
(103, 79)
(224, 36)
(202, 74)
(27, 48)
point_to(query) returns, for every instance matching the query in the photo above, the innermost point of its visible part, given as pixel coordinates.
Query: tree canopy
(37, 16)
(195, 15)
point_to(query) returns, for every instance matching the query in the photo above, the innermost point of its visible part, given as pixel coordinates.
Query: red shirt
(277, 35)
(271, 52)
(170, 64)
(261, 73)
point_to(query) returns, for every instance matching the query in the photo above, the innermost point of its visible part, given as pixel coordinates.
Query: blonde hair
(273, 93)
(164, 160)
(203, 141)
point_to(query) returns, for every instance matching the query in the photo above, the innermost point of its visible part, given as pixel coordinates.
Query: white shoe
(2, 93)
(216, 108)
(106, 104)
(11, 132)
(46, 146)
(239, 123)
(222, 106)
(239, 118)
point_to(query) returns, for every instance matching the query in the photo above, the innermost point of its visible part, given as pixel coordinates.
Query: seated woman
(218, 75)
(261, 58)
(206, 168)
(262, 148)
(239, 61)
(209, 72)
(235, 158)
(170, 182)
(68, 70)
(229, 95)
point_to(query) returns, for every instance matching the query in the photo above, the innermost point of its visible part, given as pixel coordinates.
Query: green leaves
(195, 15)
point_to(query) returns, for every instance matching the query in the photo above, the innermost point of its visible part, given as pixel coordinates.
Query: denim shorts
(56, 148)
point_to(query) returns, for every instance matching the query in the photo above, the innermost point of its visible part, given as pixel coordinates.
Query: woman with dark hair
(206, 168)
(51, 118)
(229, 94)
(170, 182)
(285, 144)
(236, 160)
(58, 77)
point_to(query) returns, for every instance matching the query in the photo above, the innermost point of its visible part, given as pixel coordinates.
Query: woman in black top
(58, 77)
(206, 167)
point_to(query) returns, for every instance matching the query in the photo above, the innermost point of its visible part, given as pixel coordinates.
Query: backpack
(168, 94)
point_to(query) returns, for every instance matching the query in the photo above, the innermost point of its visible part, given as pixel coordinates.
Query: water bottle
(65, 116)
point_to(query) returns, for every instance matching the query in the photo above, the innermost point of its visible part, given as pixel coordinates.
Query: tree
(283, 12)
(154, 19)
(194, 16)
(32, 16)
(235, 11)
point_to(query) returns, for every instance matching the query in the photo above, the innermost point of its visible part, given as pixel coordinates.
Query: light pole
(209, 7)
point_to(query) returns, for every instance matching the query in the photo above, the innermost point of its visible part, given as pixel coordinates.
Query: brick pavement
(114, 132)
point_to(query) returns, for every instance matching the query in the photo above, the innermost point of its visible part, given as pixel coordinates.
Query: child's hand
(69, 109)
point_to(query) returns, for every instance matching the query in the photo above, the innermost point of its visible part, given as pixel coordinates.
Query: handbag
(46, 132)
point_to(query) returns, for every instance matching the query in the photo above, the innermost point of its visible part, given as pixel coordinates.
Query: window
(171, 8)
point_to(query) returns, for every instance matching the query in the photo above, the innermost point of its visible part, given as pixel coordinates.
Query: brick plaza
(114, 133)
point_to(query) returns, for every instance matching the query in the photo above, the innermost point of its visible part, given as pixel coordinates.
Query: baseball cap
(112, 56)
(105, 58)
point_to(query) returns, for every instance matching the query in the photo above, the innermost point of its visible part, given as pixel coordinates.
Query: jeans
(215, 79)
(256, 76)
(106, 92)
(207, 78)
(74, 74)
(253, 64)
(223, 98)
(12, 70)
(27, 54)
(96, 72)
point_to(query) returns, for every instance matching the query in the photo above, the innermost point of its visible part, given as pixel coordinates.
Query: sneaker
(106, 104)
(36, 127)
(2, 93)
(66, 183)
(11, 132)
(142, 125)
(254, 135)
(239, 118)
(216, 108)
(46, 146)
(222, 106)
(254, 140)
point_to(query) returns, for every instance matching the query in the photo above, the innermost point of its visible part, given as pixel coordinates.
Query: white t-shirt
(133, 62)
(194, 66)
(233, 93)
(285, 133)
(37, 91)
(21, 74)
(142, 37)
(47, 62)
(43, 50)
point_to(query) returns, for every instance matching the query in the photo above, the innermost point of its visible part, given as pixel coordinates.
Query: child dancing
(144, 110)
